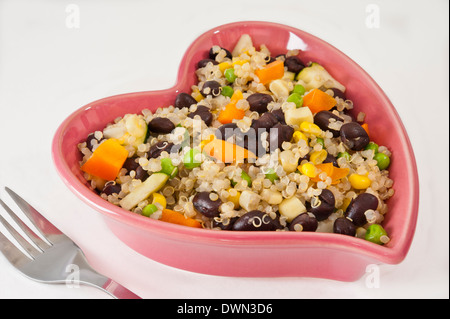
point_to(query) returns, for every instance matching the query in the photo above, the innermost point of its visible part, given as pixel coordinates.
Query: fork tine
(30, 249)
(40, 222)
(14, 255)
(40, 244)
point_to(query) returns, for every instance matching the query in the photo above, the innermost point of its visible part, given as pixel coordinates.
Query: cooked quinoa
(305, 170)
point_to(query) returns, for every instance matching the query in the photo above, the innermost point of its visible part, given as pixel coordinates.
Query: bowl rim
(384, 254)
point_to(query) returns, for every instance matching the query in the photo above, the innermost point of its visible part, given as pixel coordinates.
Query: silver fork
(54, 258)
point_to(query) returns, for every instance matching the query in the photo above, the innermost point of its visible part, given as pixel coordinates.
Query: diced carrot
(365, 126)
(227, 152)
(272, 71)
(231, 112)
(336, 173)
(237, 95)
(318, 100)
(324, 167)
(107, 160)
(171, 216)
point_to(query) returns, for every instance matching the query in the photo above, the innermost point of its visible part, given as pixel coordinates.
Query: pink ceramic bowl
(255, 254)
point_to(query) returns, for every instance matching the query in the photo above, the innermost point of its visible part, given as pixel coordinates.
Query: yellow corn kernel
(224, 65)
(197, 95)
(239, 62)
(318, 157)
(299, 136)
(308, 169)
(209, 139)
(311, 128)
(234, 197)
(159, 199)
(359, 181)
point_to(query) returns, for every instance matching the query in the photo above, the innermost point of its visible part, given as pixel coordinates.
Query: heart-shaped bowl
(254, 254)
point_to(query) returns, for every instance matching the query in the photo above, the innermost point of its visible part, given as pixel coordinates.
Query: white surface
(48, 70)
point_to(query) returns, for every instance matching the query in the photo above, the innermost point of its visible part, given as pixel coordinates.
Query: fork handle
(118, 291)
(92, 278)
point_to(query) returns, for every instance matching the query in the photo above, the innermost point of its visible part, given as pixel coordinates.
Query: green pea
(247, 178)
(168, 168)
(320, 141)
(383, 161)
(372, 146)
(299, 89)
(192, 159)
(374, 233)
(271, 175)
(227, 91)
(344, 154)
(229, 75)
(149, 209)
(296, 98)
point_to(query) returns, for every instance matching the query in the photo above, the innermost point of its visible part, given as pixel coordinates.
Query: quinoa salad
(261, 142)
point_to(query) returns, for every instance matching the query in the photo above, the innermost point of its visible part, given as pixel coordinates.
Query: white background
(48, 70)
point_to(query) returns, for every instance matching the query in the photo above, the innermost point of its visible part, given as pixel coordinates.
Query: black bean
(141, 173)
(256, 220)
(212, 54)
(294, 64)
(204, 114)
(226, 131)
(111, 188)
(212, 88)
(354, 136)
(91, 138)
(205, 205)
(131, 164)
(184, 100)
(331, 159)
(323, 205)
(358, 206)
(221, 225)
(258, 102)
(265, 121)
(307, 222)
(249, 140)
(202, 108)
(204, 62)
(322, 120)
(156, 150)
(344, 226)
(252, 141)
(279, 114)
(161, 125)
(280, 133)
(339, 93)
